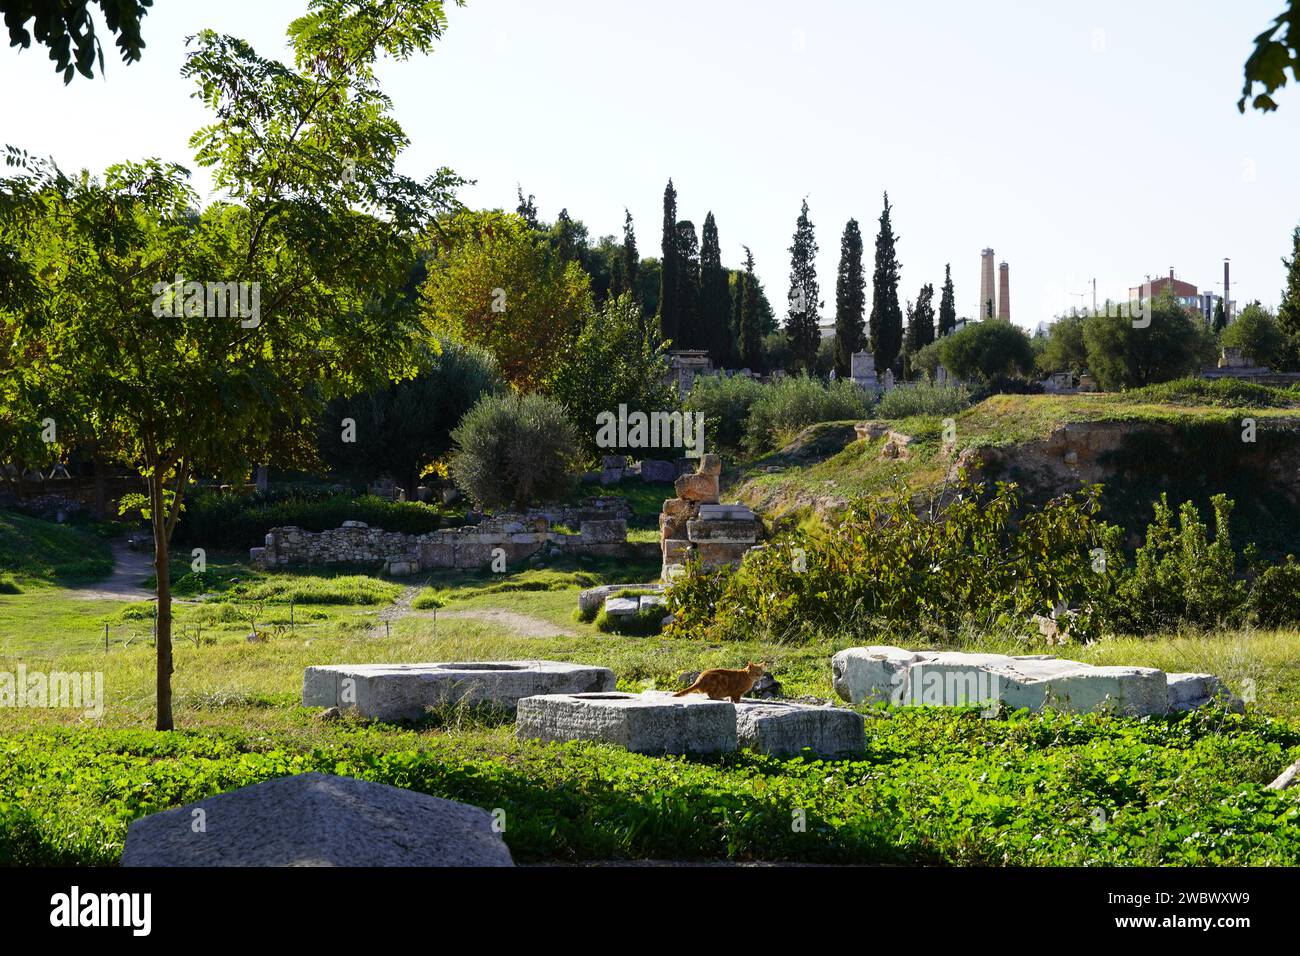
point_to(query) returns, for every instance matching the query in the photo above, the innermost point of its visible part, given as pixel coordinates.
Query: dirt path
(399, 609)
(523, 625)
(129, 569)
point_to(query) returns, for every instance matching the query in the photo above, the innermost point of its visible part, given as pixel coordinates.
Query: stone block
(673, 526)
(593, 599)
(658, 471)
(611, 476)
(613, 461)
(1189, 691)
(702, 530)
(709, 465)
(603, 531)
(676, 550)
(649, 723)
(315, 819)
(875, 674)
(784, 729)
(621, 607)
(725, 513)
(406, 691)
(699, 488)
(473, 555)
(680, 508)
(716, 554)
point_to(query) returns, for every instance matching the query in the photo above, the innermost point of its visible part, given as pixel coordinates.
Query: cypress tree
(527, 208)
(1220, 317)
(886, 323)
(751, 331)
(1288, 313)
(947, 304)
(850, 300)
(920, 321)
(801, 326)
(669, 304)
(737, 313)
(688, 287)
(715, 296)
(631, 258)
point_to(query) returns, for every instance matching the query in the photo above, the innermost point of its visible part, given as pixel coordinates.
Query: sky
(1080, 141)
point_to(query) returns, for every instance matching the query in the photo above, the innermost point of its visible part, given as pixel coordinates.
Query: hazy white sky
(1079, 140)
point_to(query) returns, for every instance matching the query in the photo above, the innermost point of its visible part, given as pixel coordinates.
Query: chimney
(1004, 292)
(987, 302)
(1226, 297)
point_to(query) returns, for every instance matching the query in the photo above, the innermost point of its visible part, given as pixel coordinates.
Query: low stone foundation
(785, 730)
(1037, 682)
(406, 691)
(516, 537)
(649, 723)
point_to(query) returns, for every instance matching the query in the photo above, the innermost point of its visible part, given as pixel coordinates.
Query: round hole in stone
(483, 667)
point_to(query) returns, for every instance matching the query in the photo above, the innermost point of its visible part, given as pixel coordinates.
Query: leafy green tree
(920, 325)
(497, 284)
(751, 330)
(886, 322)
(512, 450)
(1064, 350)
(629, 259)
(1277, 49)
(1288, 314)
(850, 300)
(568, 237)
(1120, 356)
(715, 296)
(182, 386)
(1257, 333)
(670, 268)
(986, 351)
(947, 304)
(403, 426)
(68, 29)
(616, 360)
(802, 321)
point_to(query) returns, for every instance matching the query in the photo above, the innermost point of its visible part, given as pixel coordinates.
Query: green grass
(32, 548)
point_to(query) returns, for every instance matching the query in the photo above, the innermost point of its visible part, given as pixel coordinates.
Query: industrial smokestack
(1004, 292)
(1227, 299)
(987, 301)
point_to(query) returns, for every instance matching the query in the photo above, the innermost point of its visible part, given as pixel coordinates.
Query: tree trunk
(162, 572)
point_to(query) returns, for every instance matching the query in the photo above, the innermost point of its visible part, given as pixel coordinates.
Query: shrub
(1274, 598)
(987, 350)
(923, 398)
(232, 523)
(788, 406)
(1257, 334)
(725, 405)
(1222, 392)
(1172, 345)
(512, 449)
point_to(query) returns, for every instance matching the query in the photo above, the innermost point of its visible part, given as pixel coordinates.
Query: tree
(987, 351)
(687, 294)
(630, 258)
(850, 300)
(715, 297)
(1274, 53)
(947, 304)
(802, 322)
(1064, 350)
(1172, 345)
(496, 284)
(886, 322)
(402, 426)
(1257, 333)
(1220, 317)
(513, 449)
(920, 321)
(614, 361)
(67, 25)
(527, 208)
(1288, 313)
(205, 339)
(751, 331)
(568, 238)
(670, 308)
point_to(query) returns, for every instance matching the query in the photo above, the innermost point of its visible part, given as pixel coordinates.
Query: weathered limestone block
(658, 471)
(709, 465)
(716, 554)
(473, 555)
(869, 431)
(676, 550)
(1189, 691)
(649, 723)
(699, 488)
(703, 530)
(726, 513)
(621, 607)
(406, 691)
(603, 531)
(784, 729)
(875, 674)
(315, 819)
(437, 554)
(593, 599)
(673, 526)
(680, 508)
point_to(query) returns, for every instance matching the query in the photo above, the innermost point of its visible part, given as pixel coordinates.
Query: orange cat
(721, 683)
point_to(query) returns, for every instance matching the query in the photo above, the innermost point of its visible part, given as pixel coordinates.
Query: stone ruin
(883, 674)
(696, 525)
(517, 537)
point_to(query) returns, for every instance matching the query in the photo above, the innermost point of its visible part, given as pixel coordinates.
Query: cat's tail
(693, 689)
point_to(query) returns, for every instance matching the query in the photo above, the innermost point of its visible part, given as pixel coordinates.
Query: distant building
(1198, 303)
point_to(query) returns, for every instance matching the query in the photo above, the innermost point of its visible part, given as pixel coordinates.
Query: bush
(1120, 356)
(725, 404)
(986, 351)
(923, 398)
(1257, 334)
(512, 449)
(233, 523)
(1222, 392)
(788, 406)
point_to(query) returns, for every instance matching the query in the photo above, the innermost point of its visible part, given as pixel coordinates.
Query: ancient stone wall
(695, 526)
